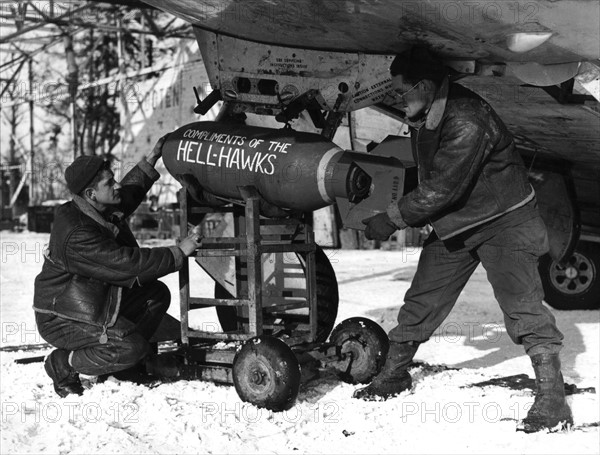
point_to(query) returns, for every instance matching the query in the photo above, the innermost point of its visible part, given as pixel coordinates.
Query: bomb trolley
(271, 326)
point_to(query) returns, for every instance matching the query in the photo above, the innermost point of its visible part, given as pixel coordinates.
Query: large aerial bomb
(290, 170)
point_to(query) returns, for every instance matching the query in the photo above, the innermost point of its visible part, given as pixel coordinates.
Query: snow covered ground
(440, 415)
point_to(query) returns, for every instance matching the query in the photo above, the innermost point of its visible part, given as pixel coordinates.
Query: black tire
(266, 373)
(233, 318)
(327, 295)
(366, 342)
(576, 286)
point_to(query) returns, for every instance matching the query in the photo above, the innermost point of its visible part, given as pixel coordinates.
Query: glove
(379, 227)
(156, 152)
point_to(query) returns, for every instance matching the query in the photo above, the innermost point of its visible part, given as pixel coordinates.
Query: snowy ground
(438, 416)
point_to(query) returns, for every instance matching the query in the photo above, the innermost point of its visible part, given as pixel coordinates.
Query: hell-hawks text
(229, 151)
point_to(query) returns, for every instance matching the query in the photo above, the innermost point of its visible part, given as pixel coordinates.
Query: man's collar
(94, 214)
(438, 106)
(416, 124)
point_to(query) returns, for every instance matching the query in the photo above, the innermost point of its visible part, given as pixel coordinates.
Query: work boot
(166, 365)
(137, 374)
(394, 377)
(150, 369)
(550, 410)
(65, 378)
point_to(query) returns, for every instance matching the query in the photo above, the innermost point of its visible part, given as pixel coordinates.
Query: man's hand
(156, 152)
(379, 227)
(192, 242)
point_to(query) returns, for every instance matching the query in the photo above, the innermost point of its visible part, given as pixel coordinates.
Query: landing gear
(364, 345)
(574, 286)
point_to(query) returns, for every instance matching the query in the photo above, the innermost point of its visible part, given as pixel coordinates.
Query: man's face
(107, 191)
(413, 99)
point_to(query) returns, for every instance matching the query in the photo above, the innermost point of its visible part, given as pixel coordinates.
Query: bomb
(290, 170)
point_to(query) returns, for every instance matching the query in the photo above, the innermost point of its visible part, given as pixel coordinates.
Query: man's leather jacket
(89, 260)
(469, 170)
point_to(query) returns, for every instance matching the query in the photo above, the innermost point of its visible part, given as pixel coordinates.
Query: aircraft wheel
(366, 345)
(575, 286)
(266, 373)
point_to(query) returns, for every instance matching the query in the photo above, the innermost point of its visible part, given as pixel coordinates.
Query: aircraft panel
(567, 131)
(482, 30)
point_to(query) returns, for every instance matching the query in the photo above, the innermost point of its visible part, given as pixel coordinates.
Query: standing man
(97, 298)
(473, 190)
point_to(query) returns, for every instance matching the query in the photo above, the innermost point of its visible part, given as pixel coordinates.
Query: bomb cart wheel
(365, 344)
(266, 373)
(574, 285)
(234, 318)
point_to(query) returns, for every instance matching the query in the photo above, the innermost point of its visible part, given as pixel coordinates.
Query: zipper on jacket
(104, 337)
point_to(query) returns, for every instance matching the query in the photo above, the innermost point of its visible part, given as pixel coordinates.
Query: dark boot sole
(536, 428)
(564, 422)
(373, 393)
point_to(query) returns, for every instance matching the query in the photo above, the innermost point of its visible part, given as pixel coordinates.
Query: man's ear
(429, 85)
(90, 194)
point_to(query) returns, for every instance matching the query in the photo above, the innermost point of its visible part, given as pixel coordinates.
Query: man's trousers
(142, 309)
(510, 257)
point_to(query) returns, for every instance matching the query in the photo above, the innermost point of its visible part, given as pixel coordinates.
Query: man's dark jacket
(89, 260)
(469, 170)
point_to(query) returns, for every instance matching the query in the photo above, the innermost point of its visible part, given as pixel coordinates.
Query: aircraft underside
(536, 62)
